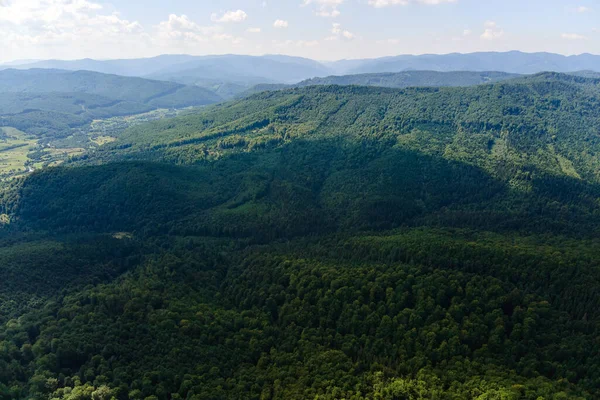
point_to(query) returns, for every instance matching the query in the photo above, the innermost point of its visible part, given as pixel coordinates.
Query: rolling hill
(396, 80)
(331, 241)
(49, 103)
(146, 91)
(413, 78)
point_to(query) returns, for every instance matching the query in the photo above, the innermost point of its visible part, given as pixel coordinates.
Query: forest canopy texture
(324, 242)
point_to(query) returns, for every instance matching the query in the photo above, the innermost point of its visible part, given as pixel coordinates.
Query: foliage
(325, 242)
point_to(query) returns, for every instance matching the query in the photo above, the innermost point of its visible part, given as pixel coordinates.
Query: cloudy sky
(319, 29)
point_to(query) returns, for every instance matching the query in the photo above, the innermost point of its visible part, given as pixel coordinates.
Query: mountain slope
(110, 86)
(396, 80)
(339, 242)
(413, 78)
(530, 115)
(49, 103)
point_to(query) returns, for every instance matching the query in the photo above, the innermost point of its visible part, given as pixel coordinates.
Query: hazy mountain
(17, 63)
(233, 68)
(513, 62)
(107, 85)
(49, 102)
(244, 69)
(132, 67)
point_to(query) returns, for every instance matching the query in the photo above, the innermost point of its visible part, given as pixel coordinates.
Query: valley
(322, 241)
(398, 234)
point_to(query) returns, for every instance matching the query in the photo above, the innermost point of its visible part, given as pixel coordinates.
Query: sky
(317, 29)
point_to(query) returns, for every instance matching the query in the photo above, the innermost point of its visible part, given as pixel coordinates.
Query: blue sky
(319, 29)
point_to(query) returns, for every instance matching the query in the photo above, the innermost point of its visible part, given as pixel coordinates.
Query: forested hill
(541, 123)
(50, 103)
(146, 91)
(413, 78)
(395, 80)
(323, 242)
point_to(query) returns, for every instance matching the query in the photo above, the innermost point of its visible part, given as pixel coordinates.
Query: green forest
(321, 242)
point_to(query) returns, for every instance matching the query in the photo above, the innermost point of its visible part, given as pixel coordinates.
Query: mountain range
(50, 102)
(286, 69)
(316, 242)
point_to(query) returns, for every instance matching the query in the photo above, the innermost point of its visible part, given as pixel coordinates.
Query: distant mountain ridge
(397, 80)
(288, 69)
(511, 62)
(231, 75)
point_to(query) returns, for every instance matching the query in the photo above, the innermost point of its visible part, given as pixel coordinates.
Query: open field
(14, 147)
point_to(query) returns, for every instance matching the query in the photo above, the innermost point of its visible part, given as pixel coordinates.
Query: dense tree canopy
(317, 243)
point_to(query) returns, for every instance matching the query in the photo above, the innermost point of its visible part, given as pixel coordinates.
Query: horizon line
(33, 61)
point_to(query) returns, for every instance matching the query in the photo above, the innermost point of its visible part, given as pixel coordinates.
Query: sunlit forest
(320, 242)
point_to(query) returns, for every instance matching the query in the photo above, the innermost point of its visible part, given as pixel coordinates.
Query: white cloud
(573, 36)
(30, 23)
(492, 31)
(307, 43)
(467, 32)
(337, 32)
(230, 16)
(392, 41)
(582, 9)
(181, 32)
(178, 27)
(348, 35)
(325, 8)
(387, 3)
(253, 30)
(46, 11)
(295, 43)
(280, 24)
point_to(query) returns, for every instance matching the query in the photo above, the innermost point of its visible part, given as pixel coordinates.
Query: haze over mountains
(285, 69)
(228, 76)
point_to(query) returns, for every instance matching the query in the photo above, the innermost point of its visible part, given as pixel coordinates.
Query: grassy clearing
(14, 147)
(100, 140)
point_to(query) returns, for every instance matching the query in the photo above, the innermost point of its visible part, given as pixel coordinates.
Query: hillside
(332, 241)
(52, 115)
(49, 103)
(396, 80)
(155, 93)
(61, 113)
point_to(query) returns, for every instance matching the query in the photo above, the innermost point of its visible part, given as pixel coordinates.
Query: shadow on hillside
(304, 187)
